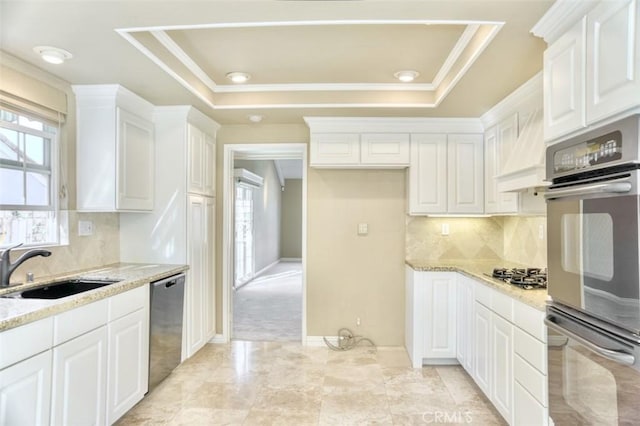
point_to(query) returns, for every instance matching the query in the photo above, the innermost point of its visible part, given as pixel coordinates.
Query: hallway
(269, 308)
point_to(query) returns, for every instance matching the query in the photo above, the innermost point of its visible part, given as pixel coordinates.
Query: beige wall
(291, 220)
(349, 275)
(81, 252)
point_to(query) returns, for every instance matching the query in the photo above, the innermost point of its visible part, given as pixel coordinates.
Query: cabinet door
(195, 327)
(385, 149)
(440, 305)
(502, 365)
(526, 409)
(564, 83)
(482, 347)
(128, 370)
(79, 380)
(25, 391)
(209, 166)
(428, 174)
(465, 302)
(136, 161)
(210, 273)
(465, 174)
(491, 170)
(196, 155)
(335, 149)
(613, 59)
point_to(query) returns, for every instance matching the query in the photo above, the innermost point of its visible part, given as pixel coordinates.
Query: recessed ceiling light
(238, 77)
(255, 118)
(406, 76)
(53, 55)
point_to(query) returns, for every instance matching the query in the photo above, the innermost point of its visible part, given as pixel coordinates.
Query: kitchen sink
(59, 289)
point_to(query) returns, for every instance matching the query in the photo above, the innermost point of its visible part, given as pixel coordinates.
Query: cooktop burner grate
(525, 278)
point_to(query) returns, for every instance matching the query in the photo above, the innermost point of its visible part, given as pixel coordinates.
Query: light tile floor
(269, 308)
(257, 383)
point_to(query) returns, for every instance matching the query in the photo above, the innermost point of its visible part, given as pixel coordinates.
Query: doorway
(263, 295)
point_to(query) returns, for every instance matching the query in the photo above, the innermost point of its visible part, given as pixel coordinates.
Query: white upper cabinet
(591, 65)
(114, 150)
(613, 59)
(446, 174)
(202, 161)
(428, 174)
(564, 79)
(465, 174)
(351, 143)
(385, 148)
(335, 149)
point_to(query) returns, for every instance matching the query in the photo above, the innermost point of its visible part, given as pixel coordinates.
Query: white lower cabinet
(502, 365)
(88, 366)
(433, 324)
(482, 347)
(499, 341)
(79, 380)
(25, 391)
(128, 365)
(464, 323)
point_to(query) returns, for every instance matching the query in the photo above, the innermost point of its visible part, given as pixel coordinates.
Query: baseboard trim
(290, 259)
(318, 341)
(218, 338)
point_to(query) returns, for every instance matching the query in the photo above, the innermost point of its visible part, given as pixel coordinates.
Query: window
(28, 166)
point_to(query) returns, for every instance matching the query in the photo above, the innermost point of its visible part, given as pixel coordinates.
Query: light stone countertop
(16, 312)
(477, 270)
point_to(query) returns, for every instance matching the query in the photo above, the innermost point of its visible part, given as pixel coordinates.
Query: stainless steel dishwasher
(165, 339)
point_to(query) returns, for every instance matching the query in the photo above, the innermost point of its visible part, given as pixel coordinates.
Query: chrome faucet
(7, 268)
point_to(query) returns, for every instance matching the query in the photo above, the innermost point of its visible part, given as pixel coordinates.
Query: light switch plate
(85, 228)
(363, 229)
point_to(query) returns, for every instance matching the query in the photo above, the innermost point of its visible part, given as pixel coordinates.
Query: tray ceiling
(306, 58)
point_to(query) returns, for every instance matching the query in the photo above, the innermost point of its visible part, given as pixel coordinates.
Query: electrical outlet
(358, 321)
(541, 231)
(85, 228)
(445, 229)
(363, 229)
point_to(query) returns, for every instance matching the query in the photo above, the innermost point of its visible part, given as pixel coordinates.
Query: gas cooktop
(525, 278)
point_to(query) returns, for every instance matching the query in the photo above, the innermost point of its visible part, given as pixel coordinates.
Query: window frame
(51, 158)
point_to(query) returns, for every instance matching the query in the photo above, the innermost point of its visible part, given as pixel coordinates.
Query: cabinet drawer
(530, 379)
(483, 295)
(527, 411)
(127, 302)
(19, 343)
(530, 320)
(502, 305)
(531, 350)
(78, 321)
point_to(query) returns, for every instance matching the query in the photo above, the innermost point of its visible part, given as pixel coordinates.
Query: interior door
(244, 242)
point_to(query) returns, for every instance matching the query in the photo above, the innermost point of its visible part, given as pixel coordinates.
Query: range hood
(524, 168)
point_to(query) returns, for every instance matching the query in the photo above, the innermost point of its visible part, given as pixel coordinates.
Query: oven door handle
(597, 188)
(610, 354)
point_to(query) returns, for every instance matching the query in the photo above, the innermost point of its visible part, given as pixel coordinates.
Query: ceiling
(305, 58)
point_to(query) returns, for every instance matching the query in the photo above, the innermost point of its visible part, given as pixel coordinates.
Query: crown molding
(531, 91)
(561, 16)
(390, 125)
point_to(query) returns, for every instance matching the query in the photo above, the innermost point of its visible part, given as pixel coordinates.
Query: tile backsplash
(101, 248)
(511, 238)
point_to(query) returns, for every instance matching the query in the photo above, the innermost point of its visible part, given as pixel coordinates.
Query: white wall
(267, 207)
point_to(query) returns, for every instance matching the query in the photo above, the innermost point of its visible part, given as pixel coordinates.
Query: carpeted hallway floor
(269, 308)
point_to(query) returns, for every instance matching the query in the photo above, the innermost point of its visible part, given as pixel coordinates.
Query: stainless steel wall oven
(593, 210)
